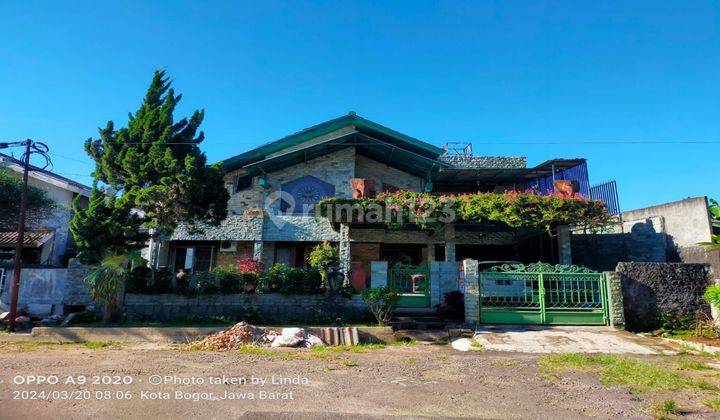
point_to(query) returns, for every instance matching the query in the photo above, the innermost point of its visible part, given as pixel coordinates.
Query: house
(49, 243)
(274, 187)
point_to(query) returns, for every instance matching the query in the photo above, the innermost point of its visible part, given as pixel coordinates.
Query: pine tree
(155, 167)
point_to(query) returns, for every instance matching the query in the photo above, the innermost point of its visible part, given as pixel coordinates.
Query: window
(243, 183)
(194, 259)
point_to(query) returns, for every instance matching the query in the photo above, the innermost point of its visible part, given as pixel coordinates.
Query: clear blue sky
(486, 72)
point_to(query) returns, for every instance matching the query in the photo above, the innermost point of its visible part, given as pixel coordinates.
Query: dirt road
(417, 380)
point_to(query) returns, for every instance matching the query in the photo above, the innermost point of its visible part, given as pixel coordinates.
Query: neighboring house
(50, 243)
(321, 161)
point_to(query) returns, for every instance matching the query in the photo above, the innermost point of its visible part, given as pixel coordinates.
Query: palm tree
(108, 279)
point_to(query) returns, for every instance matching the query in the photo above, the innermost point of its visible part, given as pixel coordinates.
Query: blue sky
(492, 73)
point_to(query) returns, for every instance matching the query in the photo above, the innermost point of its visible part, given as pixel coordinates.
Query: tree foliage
(714, 212)
(40, 205)
(107, 226)
(322, 257)
(153, 167)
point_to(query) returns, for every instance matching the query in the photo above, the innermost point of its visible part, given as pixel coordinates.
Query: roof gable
(360, 124)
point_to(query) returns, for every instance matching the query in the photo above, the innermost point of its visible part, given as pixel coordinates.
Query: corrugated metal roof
(33, 238)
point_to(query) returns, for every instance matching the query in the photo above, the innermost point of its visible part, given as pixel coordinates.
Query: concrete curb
(173, 334)
(693, 344)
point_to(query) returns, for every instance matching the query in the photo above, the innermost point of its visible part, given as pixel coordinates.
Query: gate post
(616, 309)
(472, 293)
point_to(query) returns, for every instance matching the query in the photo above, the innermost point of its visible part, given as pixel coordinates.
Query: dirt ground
(415, 380)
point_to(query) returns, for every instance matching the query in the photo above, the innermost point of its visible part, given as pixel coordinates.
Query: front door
(413, 283)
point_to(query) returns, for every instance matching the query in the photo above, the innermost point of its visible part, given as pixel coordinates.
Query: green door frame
(412, 294)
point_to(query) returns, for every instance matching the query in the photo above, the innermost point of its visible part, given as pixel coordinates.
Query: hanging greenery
(515, 209)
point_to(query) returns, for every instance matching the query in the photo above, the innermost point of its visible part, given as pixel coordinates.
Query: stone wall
(478, 162)
(472, 293)
(268, 308)
(336, 168)
(652, 289)
(615, 300)
(298, 228)
(233, 228)
(382, 173)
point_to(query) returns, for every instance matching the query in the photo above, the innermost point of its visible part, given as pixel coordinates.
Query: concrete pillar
(435, 294)
(564, 246)
(258, 250)
(344, 252)
(472, 293)
(449, 242)
(430, 252)
(616, 309)
(378, 274)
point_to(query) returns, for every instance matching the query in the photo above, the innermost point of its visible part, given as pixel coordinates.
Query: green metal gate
(413, 282)
(543, 294)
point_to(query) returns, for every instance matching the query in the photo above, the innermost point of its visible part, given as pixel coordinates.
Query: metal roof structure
(32, 238)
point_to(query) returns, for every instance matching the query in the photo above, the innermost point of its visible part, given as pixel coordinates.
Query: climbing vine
(513, 208)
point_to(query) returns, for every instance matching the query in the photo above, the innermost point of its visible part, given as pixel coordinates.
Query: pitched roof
(361, 124)
(70, 184)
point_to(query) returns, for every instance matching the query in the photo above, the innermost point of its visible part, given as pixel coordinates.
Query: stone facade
(269, 307)
(615, 300)
(384, 174)
(472, 292)
(481, 162)
(298, 228)
(233, 228)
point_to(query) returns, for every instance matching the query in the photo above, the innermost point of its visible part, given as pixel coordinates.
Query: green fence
(413, 282)
(543, 294)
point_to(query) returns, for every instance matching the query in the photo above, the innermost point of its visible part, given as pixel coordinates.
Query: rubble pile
(243, 334)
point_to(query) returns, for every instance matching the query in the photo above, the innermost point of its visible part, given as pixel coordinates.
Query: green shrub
(228, 279)
(322, 257)
(381, 302)
(712, 295)
(137, 281)
(290, 280)
(670, 322)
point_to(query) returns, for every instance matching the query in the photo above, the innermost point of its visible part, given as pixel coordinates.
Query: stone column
(344, 252)
(564, 246)
(258, 250)
(472, 293)
(616, 308)
(449, 242)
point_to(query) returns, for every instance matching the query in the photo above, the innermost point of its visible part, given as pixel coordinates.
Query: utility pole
(17, 264)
